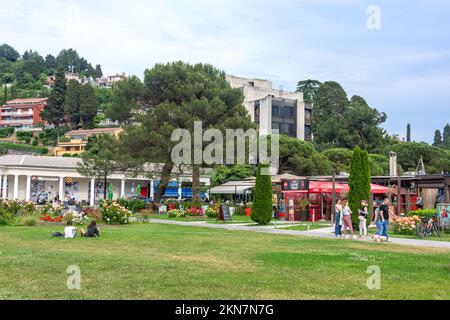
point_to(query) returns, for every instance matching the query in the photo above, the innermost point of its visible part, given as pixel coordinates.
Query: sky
(394, 53)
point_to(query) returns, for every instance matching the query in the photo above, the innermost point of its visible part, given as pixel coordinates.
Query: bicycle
(428, 227)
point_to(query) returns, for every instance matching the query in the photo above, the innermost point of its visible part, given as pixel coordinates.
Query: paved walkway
(319, 233)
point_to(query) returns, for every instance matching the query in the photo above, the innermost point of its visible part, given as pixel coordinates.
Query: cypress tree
(437, 138)
(54, 111)
(446, 137)
(408, 133)
(262, 197)
(88, 106)
(359, 182)
(72, 103)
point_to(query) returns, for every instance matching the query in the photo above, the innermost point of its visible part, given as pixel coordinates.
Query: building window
(257, 112)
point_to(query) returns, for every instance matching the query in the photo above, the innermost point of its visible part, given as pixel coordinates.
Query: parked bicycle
(428, 227)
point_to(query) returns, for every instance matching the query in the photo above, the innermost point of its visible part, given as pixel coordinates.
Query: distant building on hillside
(275, 109)
(75, 141)
(109, 81)
(22, 113)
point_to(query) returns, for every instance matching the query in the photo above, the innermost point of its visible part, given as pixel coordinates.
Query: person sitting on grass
(70, 231)
(92, 231)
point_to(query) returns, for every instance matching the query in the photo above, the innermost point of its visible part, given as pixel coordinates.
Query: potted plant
(302, 205)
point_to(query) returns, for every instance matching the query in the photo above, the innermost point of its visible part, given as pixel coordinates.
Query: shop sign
(297, 184)
(49, 179)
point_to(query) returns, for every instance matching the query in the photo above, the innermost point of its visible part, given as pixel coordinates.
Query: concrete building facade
(274, 109)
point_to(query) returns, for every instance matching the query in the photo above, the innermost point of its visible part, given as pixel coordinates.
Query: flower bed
(405, 225)
(114, 213)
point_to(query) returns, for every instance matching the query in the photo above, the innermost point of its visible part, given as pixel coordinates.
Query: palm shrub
(262, 196)
(359, 182)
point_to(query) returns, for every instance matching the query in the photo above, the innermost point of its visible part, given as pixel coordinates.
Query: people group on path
(343, 221)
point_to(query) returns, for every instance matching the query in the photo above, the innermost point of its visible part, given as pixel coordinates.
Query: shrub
(28, 221)
(177, 214)
(23, 147)
(51, 210)
(6, 132)
(35, 143)
(114, 213)
(76, 218)
(405, 225)
(144, 215)
(262, 197)
(18, 208)
(211, 213)
(6, 216)
(423, 213)
(239, 211)
(27, 140)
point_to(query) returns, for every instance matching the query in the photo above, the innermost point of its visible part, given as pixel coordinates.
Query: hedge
(23, 147)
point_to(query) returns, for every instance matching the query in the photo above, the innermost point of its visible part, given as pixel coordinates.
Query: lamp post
(333, 198)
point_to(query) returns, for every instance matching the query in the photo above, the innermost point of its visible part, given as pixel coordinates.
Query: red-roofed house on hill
(22, 113)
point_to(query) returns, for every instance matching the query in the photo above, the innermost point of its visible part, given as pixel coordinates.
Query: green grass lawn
(151, 261)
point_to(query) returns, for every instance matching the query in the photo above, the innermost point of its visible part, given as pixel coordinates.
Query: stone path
(319, 233)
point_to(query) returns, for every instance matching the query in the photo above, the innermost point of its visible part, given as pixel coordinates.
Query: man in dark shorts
(384, 210)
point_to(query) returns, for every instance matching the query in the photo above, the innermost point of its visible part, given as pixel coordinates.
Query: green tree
(359, 182)
(446, 137)
(309, 88)
(98, 71)
(88, 106)
(435, 159)
(340, 157)
(72, 102)
(301, 158)
(437, 139)
(9, 53)
(54, 112)
(262, 196)
(127, 97)
(224, 173)
(100, 161)
(338, 122)
(50, 64)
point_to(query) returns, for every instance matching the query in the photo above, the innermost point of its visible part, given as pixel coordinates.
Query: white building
(275, 109)
(32, 178)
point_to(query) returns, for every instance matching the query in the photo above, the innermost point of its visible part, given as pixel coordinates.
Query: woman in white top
(346, 216)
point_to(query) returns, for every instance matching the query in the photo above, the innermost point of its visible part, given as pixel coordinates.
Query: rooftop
(26, 101)
(93, 131)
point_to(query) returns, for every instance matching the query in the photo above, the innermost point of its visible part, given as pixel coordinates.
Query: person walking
(363, 213)
(338, 222)
(347, 212)
(384, 209)
(379, 222)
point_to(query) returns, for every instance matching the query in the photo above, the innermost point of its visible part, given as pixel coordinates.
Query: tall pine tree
(54, 111)
(359, 182)
(437, 138)
(408, 133)
(88, 106)
(72, 103)
(446, 137)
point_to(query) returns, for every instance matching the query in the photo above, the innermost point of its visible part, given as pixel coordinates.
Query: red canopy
(327, 187)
